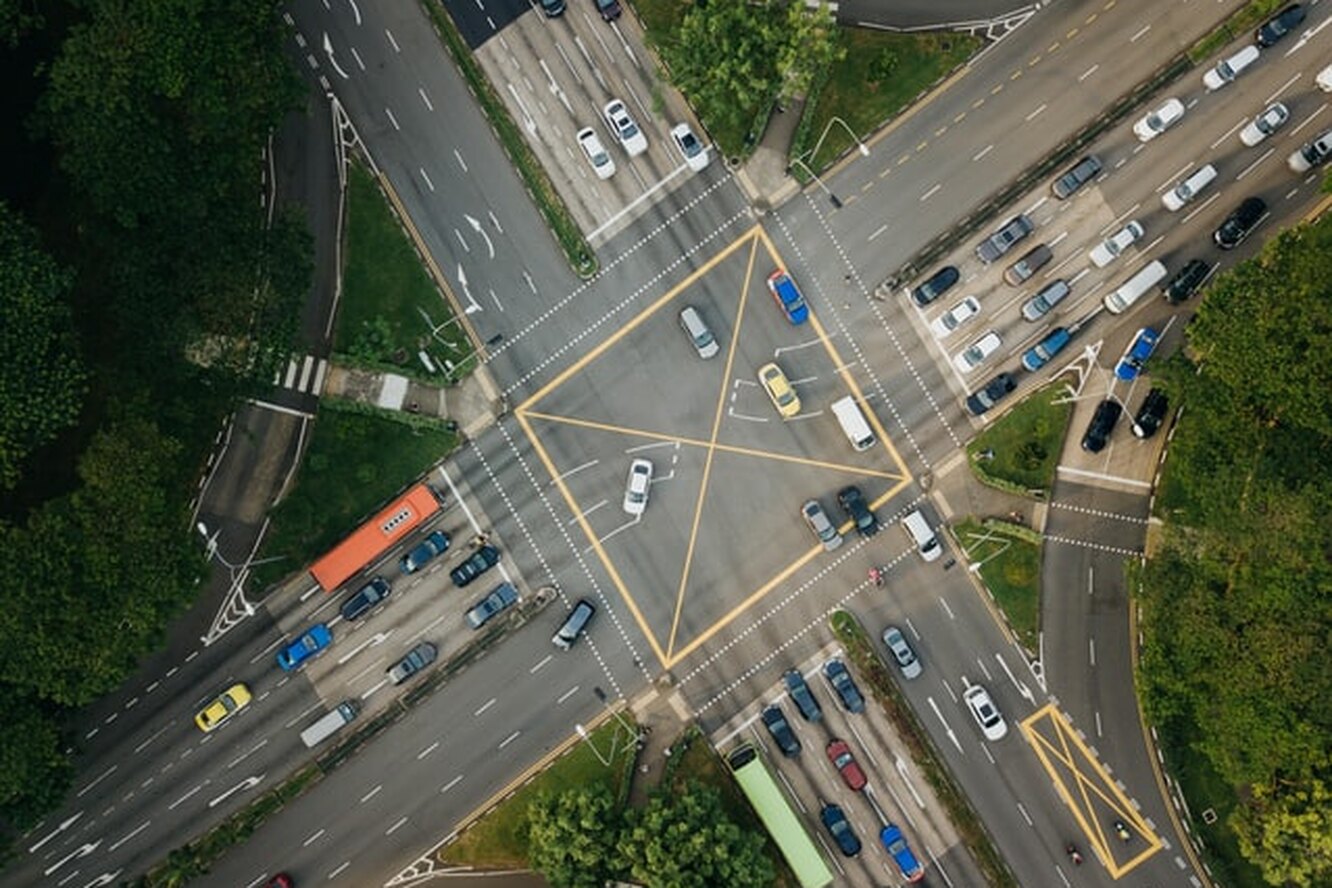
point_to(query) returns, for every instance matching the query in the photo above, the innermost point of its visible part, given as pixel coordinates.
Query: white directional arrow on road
(244, 784)
(103, 879)
(55, 832)
(328, 49)
(476, 226)
(948, 729)
(472, 305)
(78, 852)
(372, 641)
(1021, 686)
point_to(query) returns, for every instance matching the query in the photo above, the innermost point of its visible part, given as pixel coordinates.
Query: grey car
(1050, 295)
(500, 598)
(819, 523)
(1082, 172)
(417, 658)
(902, 653)
(1030, 263)
(1003, 240)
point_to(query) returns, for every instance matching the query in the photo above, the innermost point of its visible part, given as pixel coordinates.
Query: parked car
(780, 729)
(1026, 266)
(802, 696)
(1082, 172)
(1186, 281)
(1229, 69)
(821, 525)
(902, 652)
(840, 678)
(480, 561)
(1273, 117)
(369, 595)
(980, 401)
(1156, 122)
(987, 715)
(694, 152)
(935, 286)
(1187, 190)
(787, 296)
(1237, 226)
(911, 869)
(975, 354)
(1008, 236)
(1045, 299)
(500, 598)
(1042, 352)
(1101, 425)
(853, 503)
(637, 486)
(840, 829)
(1311, 154)
(1151, 414)
(430, 548)
(839, 753)
(779, 390)
(1270, 32)
(223, 707)
(417, 658)
(948, 322)
(1136, 355)
(1112, 247)
(622, 123)
(595, 152)
(314, 640)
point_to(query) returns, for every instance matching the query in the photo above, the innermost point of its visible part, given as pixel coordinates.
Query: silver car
(1274, 116)
(1050, 295)
(823, 528)
(906, 658)
(417, 658)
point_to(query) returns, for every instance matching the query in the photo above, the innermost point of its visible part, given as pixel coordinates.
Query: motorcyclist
(1072, 851)
(1122, 830)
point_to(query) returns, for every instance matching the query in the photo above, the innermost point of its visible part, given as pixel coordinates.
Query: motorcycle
(1122, 830)
(1073, 854)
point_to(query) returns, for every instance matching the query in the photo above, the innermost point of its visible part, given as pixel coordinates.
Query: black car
(840, 678)
(1083, 172)
(853, 503)
(1279, 25)
(938, 284)
(1003, 240)
(1101, 425)
(840, 829)
(363, 601)
(781, 732)
(480, 561)
(991, 393)
(1238, 224)
(1151, 414)
(1186, 281)
(803, 697)
(609, 9)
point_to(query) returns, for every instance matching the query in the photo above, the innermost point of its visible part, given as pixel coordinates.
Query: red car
(840, 755)
(281, 880)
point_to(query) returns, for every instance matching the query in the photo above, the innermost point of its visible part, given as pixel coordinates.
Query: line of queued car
(630, 136)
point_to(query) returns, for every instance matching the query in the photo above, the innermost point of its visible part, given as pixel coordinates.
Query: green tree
(1290, 833)
(41, 375)
(686, 840)
(810, 44)
(34, 772)
(571, 837)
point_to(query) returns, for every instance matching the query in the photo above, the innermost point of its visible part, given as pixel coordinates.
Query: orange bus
(375, 537)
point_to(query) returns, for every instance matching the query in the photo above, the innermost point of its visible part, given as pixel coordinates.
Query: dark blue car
(840, 678)
(840, 829)
(802, 696)
(1042, 352)
(429, 548)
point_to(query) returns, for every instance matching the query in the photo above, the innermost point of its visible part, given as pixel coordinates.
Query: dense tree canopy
(571, 837)
(1237, 602)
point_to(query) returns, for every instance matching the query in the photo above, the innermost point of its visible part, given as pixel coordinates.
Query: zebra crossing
(304, 373)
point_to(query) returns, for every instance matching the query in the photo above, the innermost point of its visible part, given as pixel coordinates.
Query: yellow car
(223, 707)
(779, 390)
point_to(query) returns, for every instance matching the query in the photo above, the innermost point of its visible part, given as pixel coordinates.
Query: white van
(922, 535)
(1185, 191)
(330, 723)
(1228, 69)
(1132, 289)
(853, 423)
(1324, 79)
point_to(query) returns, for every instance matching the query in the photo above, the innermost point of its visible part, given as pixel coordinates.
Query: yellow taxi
(779, 389)
(223, 707)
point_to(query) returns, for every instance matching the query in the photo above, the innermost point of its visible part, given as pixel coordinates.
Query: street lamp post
(836, 202)
(863, 148)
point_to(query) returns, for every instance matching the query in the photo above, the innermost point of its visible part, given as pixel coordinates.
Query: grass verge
(1023, 445)
(1240, 21)
(873, 674)
(882, 74)
(1010, 566)
(356, 462)
(390, 306)
(543, 193)
(499, 838)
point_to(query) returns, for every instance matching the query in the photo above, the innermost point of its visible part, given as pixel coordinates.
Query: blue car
(312, 642)
(429, 548)
(1138, 352)
(840, 828)
(907, 864)
(787, 296)
(845, 686)
(801, 695)
(1042, 352)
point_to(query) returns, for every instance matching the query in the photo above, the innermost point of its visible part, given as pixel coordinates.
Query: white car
(1228, 69)
(624, 127)
(987, 715)
(975, 355)
(1110, 249)
(637, 487)
(597, 155)
(955, 317)
(1159, 121)
(1185, 191)
(1274, 116)
(694, 152)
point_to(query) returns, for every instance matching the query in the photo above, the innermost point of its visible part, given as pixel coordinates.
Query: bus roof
(374, 537)
(788, 834)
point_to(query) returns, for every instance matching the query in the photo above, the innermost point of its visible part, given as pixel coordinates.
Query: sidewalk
(763, 177)
(664, 716)
(474, 404)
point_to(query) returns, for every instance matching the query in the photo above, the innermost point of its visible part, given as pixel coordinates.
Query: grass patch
(539, 186)
(390, 305)
(1010, 565)
(356, 462)
(1241, 21)
(1024, 445)
(499, 839)
(881, 75)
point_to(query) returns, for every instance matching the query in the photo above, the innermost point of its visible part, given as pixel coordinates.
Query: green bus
(801, 854)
